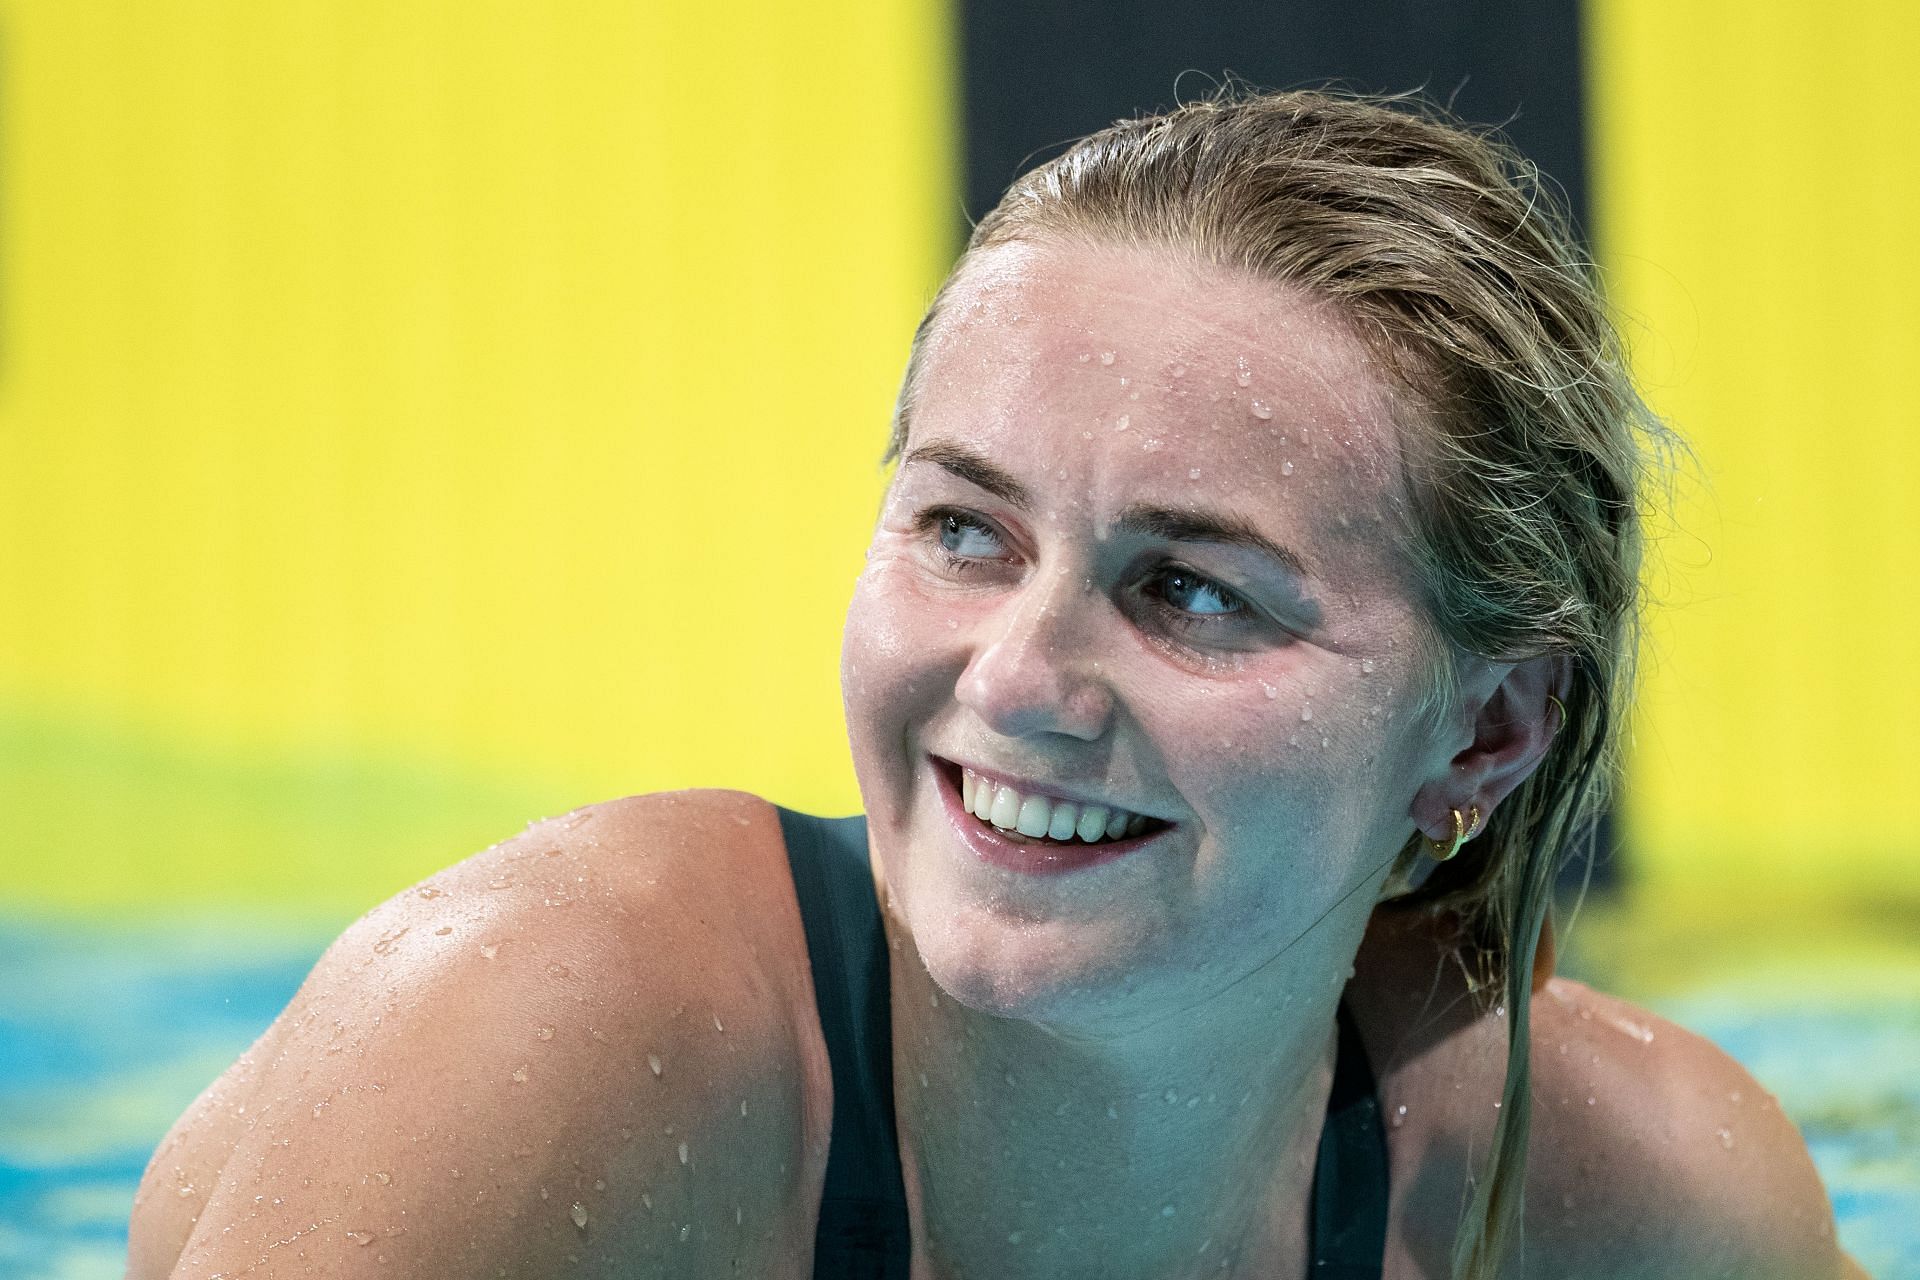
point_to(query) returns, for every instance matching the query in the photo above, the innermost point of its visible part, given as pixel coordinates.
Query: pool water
(108, 1032)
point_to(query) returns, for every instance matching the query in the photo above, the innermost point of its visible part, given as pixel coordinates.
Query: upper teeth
(1035, 815)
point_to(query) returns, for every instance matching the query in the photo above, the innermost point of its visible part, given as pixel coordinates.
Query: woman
(1245, 633)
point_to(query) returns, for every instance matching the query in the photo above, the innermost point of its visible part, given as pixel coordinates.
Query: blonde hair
(1526, 481)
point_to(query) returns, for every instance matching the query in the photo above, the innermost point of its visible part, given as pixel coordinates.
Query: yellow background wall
(421, 418)
(1756, 182)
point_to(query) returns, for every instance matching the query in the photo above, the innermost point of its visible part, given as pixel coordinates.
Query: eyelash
(933, 520)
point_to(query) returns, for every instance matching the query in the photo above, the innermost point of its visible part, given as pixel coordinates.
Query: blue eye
(1184, 600)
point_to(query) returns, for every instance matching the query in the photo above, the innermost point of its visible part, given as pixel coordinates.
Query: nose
(1035, 669)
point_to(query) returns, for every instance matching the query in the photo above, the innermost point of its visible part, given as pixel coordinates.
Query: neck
(1170, 1151)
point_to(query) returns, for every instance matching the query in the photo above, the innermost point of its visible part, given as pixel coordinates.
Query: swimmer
(1245, 638)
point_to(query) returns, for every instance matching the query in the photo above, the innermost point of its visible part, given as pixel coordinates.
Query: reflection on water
(107, 1033)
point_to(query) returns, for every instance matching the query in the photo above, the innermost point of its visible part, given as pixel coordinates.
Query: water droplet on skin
(923, 1079)
(683, 1153)
(443, 931)
(1306, 712)
(1151, 444)
(1272, 691)
(716, 1023)
(490, 951)
(1726, 1138)
(1171, 1097)
(361, 1238)
(520, 1074)
(1734, 1096)
(544, 1033)
(653, 1060)
(384, 1179)
(1166, 1211)
(1286, 468)
(1244, 375)
(185, 1192)
(579, 1215)
(1261, 409)
(504, 882)
(428, 891)
(1193, 473)
(1085, 356)
(558, 970)
(1194, 1101)
(1326, 742)
(1122, 422)
(1589, 1099)
(1399, 1116)
(1366, 666)
(1014, 1237)
(386, 941)
(1106, 357)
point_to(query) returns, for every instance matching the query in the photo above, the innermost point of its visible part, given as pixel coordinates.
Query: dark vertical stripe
(1039, 73)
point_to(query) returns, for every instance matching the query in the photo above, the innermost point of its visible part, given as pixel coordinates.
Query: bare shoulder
(579, 1049)
(1655, 1154)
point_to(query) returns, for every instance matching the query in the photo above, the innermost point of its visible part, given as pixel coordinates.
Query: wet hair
(1527, 452)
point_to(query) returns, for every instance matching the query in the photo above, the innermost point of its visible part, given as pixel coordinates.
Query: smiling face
(1140, 551)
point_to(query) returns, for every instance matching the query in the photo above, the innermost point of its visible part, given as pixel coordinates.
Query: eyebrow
(1140, 518)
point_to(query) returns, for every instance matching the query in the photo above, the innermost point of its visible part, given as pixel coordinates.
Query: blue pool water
(107, 1034)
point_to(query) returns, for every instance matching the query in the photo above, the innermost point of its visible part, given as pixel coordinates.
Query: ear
(1512, 726)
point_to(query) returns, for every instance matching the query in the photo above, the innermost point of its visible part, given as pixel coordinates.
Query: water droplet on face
(1113, 1113)
(443, 931)
(502, 882)
(1152, 444)
(1272, 691)
(490, 951)
(544, 1033)
(384, 1179)
(653, 1060)
(1179, 371)
(1726, 1138)
(1366, 666)
(1399, 1116)
(1286, 468)
(1084, 356)
(1243, 375)
(1261, 409)
(1193, 473)
(428, 891)
(683, 1153)
(520, 1074)
(716, 1023)
(1589, 1099)
(1306, 712)
(1734, 1096)
(579, 1215)
(1014, 1237)
(1106, 357)
(361, 1238)
(1122, 422)
(1166, 1211)
(1171, 1097)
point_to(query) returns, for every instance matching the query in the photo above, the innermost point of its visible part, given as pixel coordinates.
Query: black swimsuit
(863, 1232)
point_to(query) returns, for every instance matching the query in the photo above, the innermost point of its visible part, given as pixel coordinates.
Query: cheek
(888, 652)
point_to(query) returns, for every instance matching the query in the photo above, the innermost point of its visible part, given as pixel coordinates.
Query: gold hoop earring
(1462, 829)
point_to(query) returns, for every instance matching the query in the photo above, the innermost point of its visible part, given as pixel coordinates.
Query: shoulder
(586, 1021)
(1651, 1153)
(1655, 1154)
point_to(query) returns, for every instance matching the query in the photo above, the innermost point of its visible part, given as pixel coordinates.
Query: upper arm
(1655, 1154)
(558, 1054)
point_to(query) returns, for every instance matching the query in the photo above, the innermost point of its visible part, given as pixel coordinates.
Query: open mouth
(1040, 820)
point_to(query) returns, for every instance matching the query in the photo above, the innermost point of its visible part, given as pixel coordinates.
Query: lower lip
(1032, 859)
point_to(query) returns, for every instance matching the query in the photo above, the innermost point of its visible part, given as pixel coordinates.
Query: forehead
(1155, 366)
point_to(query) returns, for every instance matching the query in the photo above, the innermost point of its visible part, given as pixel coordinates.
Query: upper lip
(1033, 787)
